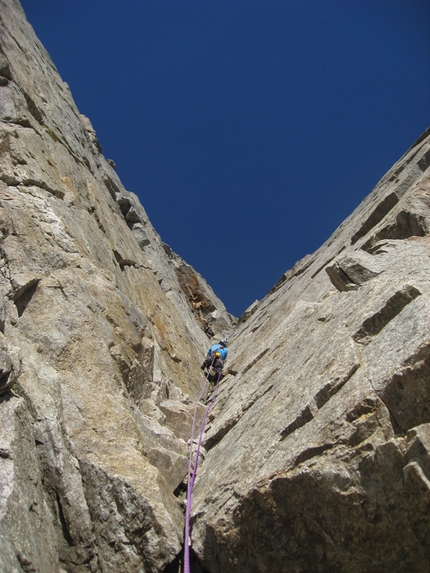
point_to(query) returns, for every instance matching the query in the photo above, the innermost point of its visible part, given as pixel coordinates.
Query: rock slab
(97, 331)
(318, 450)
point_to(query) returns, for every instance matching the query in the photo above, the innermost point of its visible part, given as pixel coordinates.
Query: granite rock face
(100, 345)
(319, 446)
(206, 306)
(317, 455)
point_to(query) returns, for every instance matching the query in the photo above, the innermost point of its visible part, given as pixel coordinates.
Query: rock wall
(100, 341)
(319, 446)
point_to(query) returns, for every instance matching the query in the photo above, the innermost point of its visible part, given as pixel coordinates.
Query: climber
(216, 356)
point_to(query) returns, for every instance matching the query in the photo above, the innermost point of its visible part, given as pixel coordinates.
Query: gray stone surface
(318, 446)
(316, 457)
(96, 332)
(27, 529)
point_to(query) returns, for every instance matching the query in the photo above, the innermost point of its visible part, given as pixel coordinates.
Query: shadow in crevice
(381, 210)
(64, 526)
(22, 301)
(181, 488)
(176, 566)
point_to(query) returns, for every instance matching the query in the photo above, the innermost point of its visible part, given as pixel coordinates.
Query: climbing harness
(192, 467)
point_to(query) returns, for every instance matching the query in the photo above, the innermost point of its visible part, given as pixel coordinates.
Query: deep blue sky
(250, 129)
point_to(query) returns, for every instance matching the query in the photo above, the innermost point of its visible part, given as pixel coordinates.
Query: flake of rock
(179, 417)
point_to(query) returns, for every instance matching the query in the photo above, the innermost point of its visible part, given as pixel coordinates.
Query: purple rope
(190, 461)
(190, 481)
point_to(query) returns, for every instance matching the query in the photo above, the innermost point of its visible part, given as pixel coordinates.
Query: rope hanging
(192, 468)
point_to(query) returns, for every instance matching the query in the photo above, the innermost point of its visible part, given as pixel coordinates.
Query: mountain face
(102, 332)
(319, 445)
(317, 449)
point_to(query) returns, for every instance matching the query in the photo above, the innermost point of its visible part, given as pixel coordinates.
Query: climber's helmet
(224, 341)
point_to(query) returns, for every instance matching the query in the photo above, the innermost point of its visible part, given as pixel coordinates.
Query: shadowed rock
(317, 449)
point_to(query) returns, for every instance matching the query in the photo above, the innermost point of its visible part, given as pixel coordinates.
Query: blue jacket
(219, 348)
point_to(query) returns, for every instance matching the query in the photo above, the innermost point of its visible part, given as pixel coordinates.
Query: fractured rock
(316, 455)
(96, 332)
(318, 448)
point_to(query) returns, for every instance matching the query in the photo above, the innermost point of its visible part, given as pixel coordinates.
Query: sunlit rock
(316, 453)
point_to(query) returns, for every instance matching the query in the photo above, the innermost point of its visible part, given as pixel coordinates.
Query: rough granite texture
(317, 454)
(102, 330)
(319, 445)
